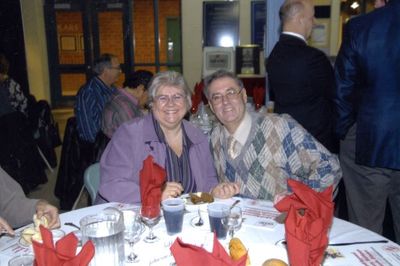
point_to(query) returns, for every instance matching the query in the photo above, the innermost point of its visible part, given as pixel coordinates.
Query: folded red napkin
(64, 253)
(258, 96)
(152, 178)
(187, 254)
(196, 97)
(309, 218)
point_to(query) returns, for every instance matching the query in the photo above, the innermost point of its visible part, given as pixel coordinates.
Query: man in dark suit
(300, 76)
(367, 72)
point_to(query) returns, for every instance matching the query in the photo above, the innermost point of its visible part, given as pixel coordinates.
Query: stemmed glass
(150, 217)
(133, 230)
(233, 221)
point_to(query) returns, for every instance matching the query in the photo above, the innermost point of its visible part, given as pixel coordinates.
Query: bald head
(297, 16)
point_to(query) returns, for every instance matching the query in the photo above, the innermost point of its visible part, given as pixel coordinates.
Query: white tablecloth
(261, 235)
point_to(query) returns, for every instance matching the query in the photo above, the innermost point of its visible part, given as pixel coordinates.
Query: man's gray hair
(102, 62)
(289, 9)
(217, 75)
(171, 79)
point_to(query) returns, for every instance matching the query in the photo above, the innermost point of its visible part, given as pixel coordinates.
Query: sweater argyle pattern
(277, 148)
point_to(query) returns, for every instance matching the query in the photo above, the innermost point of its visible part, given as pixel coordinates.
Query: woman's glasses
(164, 99)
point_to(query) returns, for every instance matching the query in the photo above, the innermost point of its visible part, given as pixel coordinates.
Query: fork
(200, 221)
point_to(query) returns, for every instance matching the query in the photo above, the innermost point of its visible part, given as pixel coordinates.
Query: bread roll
(33, 233)
(238, 250)
(274, 262)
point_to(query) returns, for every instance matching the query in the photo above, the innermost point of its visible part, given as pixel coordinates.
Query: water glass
(233, 221)
(173, 210)
(150, 217)
(133, 230)
(216, 213)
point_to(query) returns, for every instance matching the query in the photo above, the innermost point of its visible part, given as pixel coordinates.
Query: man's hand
(225, 190)
(5, 227)
(43, 208)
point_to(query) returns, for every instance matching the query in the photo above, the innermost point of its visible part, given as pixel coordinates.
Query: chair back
(92, 180)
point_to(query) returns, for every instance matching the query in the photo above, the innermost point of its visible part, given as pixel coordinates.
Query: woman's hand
(171, 190)
(225, 190)
(43, 208)
(4, 226)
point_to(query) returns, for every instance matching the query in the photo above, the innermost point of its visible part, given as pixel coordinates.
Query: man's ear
(211, 107)
(244, 95)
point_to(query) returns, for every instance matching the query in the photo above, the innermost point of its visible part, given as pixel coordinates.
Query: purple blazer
(130, 145)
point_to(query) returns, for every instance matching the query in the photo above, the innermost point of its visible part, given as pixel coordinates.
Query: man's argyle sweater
(276, 149)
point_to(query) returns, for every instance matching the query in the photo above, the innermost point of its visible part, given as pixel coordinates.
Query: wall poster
(221, 23)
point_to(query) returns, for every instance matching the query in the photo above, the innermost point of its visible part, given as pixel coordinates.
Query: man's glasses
(230, 94)
(164, 99)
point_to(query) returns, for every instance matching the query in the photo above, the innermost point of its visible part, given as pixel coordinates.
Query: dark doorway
(12, 41)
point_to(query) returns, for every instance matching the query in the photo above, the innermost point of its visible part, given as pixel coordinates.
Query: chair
(91, 180)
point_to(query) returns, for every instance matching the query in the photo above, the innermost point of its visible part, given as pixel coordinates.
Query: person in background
(260, 152)
(12, 97)
(128, 103)
(16, 210)
(368, 116)
(92, 97)
(300, 76)
(175, 144)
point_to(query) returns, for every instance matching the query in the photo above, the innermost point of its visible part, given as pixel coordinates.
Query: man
(16, 210)
(368, 116)
(128, 103)
(301, 76)
(260, 152)
(93, 96)
(380, 3)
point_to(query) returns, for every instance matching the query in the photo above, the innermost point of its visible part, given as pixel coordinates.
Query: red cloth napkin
(152, 178)
(306, 230)
(197, 97)
(64, 253)
(258, 96)
(187, 254)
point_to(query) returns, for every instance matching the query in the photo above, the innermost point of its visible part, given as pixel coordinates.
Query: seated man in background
(16, 210)
(129, 102)
(260, 152)
(92, 97)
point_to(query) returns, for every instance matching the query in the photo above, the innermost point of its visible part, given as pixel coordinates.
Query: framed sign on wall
(258, 22)
(221, 23)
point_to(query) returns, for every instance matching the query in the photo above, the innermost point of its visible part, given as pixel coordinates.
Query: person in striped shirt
(93, 96)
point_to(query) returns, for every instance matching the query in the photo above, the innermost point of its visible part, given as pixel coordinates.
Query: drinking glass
(133, 230)
(150, 217)
(233, 221)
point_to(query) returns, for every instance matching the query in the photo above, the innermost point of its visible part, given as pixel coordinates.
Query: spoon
(73, 225)
(234, 204)
(200, 222)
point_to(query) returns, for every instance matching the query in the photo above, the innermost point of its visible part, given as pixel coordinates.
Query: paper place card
(259, 212)
(265, 223)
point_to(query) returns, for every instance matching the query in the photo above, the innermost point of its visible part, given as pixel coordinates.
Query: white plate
(189, 206)
(260, 253)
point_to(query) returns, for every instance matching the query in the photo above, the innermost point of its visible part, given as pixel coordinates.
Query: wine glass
(150, 217)
(133, 230)
(233, 221)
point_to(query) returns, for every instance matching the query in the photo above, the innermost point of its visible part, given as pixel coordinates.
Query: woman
(175, 144)
(127, 103)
